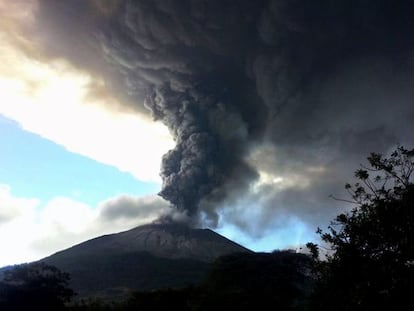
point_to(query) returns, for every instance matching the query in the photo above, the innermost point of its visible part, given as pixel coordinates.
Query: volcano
(148, 257)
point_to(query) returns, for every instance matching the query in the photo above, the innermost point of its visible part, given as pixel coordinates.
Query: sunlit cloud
(31, 229)
(15, 208)
(71, 107)
(17, 216)
(279, 176)
(64, 214)
(60, 103)
(292, 235)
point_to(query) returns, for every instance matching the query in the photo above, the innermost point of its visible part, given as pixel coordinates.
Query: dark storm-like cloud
(322, 82)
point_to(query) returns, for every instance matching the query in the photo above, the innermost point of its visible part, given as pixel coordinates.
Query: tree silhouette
(372, 259)
(35, 286)
(249, 281)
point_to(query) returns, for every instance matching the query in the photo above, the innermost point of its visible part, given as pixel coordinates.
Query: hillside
(145, 258)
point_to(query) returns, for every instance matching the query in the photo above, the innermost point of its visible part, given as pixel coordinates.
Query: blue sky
(36, 167)
(52, 198)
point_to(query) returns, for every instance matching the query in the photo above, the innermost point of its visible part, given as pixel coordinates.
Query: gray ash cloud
(321, 82)
(189, 65)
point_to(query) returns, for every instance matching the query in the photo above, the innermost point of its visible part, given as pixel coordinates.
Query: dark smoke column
(191, 170)
(188, 57)
(211, 137)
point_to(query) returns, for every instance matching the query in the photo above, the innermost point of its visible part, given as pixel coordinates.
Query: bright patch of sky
(293, 235)
(57, 101)
(51, 198)
(36, 167)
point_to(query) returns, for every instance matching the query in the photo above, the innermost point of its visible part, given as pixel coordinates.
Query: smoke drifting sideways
(306, 79)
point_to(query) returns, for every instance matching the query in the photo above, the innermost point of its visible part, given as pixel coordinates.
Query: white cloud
(70, 107)
(14, 208)
(17, 216)
(30, 231)
(64, 214)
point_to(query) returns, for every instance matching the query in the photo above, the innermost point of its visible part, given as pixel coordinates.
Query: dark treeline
(369, 263)
(240, 281)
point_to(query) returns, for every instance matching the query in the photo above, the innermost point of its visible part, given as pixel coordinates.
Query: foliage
(372, 259)
(254, 281)
(163, 299)
(107, 274)
(34, 286)
(94, 304)
(241, 281)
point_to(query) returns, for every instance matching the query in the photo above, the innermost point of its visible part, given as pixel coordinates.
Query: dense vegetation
(111, 274)
(370, 262)
(241, 281)
(34, 287)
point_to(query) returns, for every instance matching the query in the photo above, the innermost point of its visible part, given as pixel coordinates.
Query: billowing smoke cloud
(191, 66)
(321, 82)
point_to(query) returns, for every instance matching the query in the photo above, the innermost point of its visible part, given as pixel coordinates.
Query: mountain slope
(147, 257)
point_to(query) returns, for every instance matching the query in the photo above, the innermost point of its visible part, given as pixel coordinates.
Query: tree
(372, 260)
(34, 286)
(249, 281)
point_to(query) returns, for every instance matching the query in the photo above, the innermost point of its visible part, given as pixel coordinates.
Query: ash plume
(318, 83)
(195, 82)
